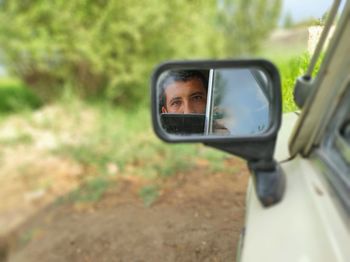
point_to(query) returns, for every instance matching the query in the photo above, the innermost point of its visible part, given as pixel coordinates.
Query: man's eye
(175, 103)
(197, 98)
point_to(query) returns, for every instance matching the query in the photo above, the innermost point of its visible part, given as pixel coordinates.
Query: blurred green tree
(246, 23)
(109, 47)
(288, 21)
(99, 46)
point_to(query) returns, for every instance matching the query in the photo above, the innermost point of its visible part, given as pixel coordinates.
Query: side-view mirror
(215, 102)
(232, 105)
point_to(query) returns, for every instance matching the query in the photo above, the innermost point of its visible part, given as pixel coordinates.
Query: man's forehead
(190, 86)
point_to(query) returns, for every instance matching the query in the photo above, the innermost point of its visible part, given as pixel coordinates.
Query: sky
(303, 9)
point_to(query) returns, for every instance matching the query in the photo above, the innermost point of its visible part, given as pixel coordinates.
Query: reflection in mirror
(219, 102)
(240, 102)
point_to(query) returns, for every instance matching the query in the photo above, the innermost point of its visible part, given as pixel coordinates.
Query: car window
(335, 151)
(344, 141)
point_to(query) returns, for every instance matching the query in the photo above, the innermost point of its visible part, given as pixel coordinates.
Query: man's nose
(188, 108)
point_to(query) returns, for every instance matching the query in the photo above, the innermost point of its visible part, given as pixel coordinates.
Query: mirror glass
(214, 102)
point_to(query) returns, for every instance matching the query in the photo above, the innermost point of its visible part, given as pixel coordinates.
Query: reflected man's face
(189, 97)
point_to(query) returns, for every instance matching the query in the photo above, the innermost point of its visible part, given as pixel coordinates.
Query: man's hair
(178, 76)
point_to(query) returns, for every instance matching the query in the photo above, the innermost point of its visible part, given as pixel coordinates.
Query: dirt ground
(195, 218)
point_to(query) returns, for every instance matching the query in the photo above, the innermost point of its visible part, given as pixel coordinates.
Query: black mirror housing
(248, 146)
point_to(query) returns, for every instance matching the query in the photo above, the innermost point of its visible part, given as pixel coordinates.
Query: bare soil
(195, 218)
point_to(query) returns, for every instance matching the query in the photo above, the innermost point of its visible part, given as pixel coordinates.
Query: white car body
(310, 223)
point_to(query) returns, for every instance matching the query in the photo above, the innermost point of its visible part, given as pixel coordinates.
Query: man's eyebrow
(197, 93)
(175, 98)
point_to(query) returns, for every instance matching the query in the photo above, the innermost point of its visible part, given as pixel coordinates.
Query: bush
(99, 47)
(290, 70)
(15, 97)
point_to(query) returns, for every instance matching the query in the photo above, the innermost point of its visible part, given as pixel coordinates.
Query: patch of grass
(290, 69)
(91, 191)
(16, 97)
(29, 235)
(19, 139)
(149, 194)
(126, 139)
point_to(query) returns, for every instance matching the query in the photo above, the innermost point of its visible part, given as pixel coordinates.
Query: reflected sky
(241, 101)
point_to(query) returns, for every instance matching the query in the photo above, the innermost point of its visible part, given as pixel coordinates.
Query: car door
(311, 222)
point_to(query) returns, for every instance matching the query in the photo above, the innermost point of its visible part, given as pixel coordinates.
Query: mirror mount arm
(269, 180)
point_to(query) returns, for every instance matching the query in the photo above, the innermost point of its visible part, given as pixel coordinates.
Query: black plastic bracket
(269, 179)
(302, 90)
